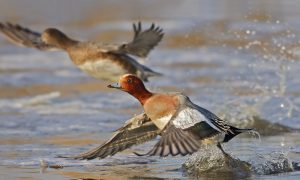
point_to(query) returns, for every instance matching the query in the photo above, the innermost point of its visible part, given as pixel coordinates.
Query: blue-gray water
(237, 59)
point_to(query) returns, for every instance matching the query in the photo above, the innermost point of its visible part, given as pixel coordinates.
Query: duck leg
(221, 148)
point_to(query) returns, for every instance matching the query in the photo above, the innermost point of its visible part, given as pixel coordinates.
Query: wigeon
(182, 125)
(102, 61)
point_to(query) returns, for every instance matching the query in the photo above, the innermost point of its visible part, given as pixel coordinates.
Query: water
(242, 63)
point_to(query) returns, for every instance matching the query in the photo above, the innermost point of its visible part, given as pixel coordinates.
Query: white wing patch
(188, 117)
(162, 122)
(104, 69)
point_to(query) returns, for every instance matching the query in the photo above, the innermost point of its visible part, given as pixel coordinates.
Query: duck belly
(103, 69)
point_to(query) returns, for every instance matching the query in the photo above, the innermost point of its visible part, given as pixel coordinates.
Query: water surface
(237, 59)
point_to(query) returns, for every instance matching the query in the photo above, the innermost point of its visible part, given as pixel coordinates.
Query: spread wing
(24, 37)
(135, 131)
(174, 141)
(185, 131)
(143, 41)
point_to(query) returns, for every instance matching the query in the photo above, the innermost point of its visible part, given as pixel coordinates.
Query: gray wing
(174, 141)
(213, 120)
(143, 41)
(24, 36)
(136, 131)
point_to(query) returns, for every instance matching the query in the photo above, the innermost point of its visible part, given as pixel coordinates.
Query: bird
(100, 60)
(182, 125)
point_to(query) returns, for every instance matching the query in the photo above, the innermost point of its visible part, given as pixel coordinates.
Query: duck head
(56, 38)
(134, 86)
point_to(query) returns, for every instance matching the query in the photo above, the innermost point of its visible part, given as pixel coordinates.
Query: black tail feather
(232, 132)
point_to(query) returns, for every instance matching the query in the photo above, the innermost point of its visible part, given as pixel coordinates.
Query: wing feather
(213, 120)
(136, 131)
(143, 41)
(191, 114)
(174, 141)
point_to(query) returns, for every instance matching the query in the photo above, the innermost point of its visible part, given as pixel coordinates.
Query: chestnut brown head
(134, 86)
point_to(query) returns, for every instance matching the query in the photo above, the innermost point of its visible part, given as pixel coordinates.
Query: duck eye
(129, 80)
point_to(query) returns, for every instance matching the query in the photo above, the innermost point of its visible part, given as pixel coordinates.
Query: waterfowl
(104, 61)
(182, 125)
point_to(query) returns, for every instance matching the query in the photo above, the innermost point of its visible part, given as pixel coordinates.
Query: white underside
(103, 69)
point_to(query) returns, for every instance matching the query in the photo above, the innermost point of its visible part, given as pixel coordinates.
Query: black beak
(114, 85)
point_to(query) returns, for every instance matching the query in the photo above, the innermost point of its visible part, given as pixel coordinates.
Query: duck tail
(232, 132)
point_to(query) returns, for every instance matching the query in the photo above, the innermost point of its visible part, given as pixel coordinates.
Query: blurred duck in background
(103, 61)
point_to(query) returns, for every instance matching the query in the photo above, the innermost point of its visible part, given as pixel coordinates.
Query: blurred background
(239, 59)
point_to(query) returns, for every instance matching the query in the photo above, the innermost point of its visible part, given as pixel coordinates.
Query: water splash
(270, 63)
(272, 163)
(211, 162)
(255, 134)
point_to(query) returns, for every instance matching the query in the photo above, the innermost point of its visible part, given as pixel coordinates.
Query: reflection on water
(239, 59)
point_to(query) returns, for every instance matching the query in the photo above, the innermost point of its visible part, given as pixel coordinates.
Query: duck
(99, 60)
(182, 125)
